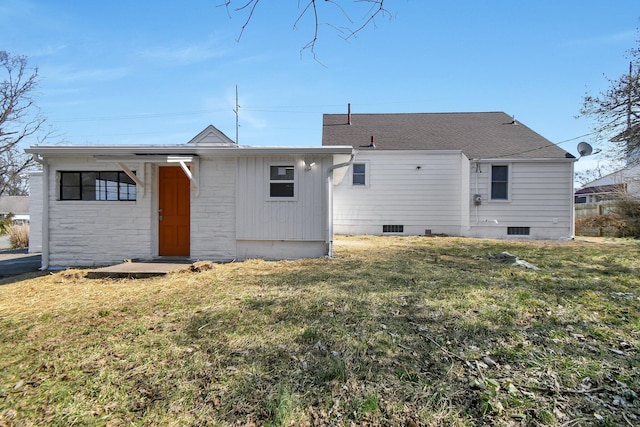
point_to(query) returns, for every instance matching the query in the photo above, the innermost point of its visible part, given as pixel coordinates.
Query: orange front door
(174, 212)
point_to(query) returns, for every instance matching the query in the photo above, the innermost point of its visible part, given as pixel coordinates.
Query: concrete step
(140, 270)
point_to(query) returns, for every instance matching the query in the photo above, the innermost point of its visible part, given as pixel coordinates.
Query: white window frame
(285, 164)
(509, 169)
(366, 174)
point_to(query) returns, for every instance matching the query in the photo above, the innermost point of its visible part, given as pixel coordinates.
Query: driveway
(16, 261)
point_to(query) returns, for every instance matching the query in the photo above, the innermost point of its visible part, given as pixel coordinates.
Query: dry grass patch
(392, 331)
(18, 235)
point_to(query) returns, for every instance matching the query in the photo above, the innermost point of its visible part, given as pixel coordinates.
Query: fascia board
(139, 152)
(523, 160)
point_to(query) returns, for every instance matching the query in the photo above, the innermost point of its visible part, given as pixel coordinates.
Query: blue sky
(158, 72)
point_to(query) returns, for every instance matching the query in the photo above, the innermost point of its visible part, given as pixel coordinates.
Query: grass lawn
(393, 331)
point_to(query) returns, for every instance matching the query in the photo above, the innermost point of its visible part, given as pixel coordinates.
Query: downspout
(572, 218)
(329, 227)
(45, 211)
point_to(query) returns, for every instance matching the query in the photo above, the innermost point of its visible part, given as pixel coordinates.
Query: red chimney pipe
(349, 113)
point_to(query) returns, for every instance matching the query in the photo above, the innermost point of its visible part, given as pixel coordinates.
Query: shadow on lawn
(7, 280)
(406, 324)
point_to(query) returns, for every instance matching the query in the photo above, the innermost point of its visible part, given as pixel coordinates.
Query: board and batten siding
(300, 219)
(213, 210)
(420, 190)
(90, 233)
(540, 197)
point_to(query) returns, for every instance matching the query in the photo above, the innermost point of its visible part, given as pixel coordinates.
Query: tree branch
(313, 7)
(19, 120)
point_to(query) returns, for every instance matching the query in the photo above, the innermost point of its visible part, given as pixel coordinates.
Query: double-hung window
(499, 182)
(359, 174)
(282, 181)
(81, 185)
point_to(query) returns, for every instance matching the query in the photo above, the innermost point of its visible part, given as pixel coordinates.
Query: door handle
(160, 218)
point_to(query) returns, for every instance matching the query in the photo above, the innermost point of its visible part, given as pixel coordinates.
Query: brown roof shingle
(479, 135)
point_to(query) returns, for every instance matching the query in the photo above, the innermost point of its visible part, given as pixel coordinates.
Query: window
(359, 174)
(281, 181)
(580, 199)
(518, 231)
(393, 228)
(499, 182)
(97, 186)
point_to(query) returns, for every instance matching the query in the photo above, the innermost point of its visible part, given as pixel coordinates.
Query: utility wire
(288, 109)
(546, 146)
(135, 116)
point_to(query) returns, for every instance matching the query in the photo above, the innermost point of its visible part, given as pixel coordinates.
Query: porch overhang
(187, 156)
(184, 162)
(193, 175)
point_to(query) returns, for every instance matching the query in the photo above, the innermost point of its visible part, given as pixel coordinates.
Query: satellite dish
(584, 149)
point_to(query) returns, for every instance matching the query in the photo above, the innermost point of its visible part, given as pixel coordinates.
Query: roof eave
(141, 151)
(525, 160)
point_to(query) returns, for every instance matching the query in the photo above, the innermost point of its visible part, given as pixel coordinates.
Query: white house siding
(35, 212)
(421, 190)
(540, 197)
(88, 233)
(213, 210)
(276, 228)
(629, 176)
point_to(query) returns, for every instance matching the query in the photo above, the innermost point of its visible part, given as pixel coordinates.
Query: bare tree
(19, 119)
(617, 110)
(349, 29)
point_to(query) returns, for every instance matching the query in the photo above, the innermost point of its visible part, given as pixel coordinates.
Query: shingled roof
(489, 135)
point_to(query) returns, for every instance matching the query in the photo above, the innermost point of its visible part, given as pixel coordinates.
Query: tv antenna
(236, 110)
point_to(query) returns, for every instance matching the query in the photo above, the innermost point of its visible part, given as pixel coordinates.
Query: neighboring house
(626, 181)
(17, 206)
(462, 174)
(207, 199)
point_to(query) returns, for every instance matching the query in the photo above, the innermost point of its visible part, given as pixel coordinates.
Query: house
(625, 181)
(463, 174)
(16, 206)
(206, 199)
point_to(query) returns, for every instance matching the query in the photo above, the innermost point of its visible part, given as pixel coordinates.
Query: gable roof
(478, 135)
(624, 175)
(212, 136)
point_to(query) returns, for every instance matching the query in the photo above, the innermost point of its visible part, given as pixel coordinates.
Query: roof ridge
(419, 113)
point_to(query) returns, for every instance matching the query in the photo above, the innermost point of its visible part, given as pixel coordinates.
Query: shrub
(18, 235)
(5, 223)
(621, 220)
(601, 225)
(629, 209)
